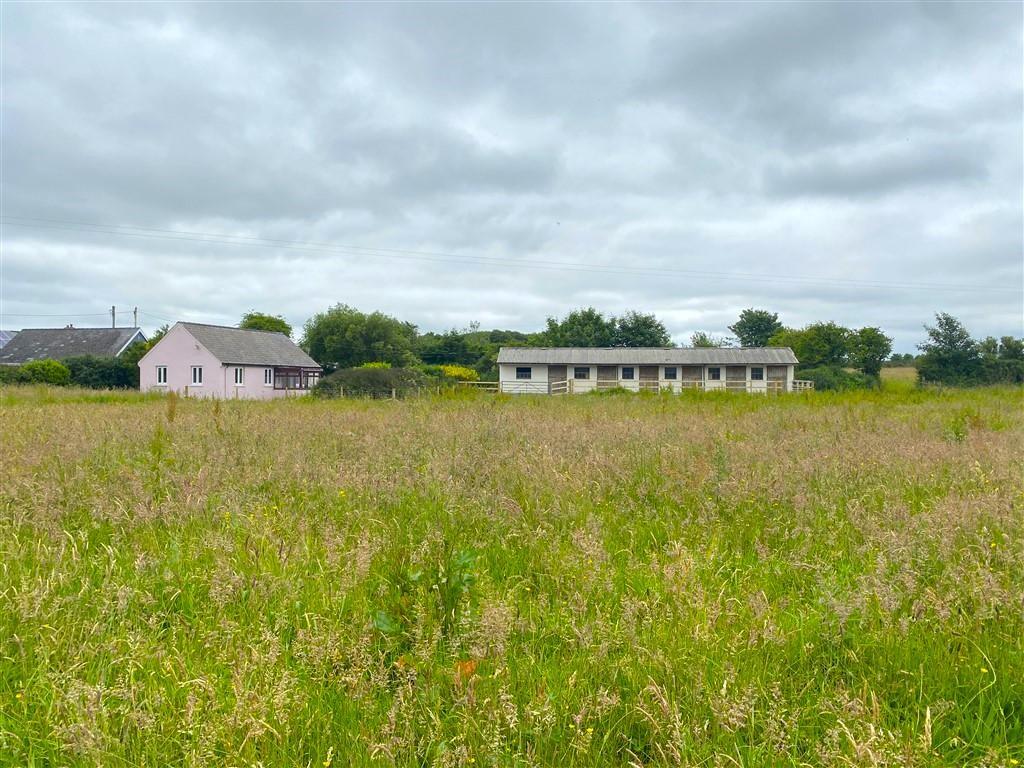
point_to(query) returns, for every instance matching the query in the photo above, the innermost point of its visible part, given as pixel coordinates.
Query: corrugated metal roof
(242, 346)
(647, 356)
(62, 343)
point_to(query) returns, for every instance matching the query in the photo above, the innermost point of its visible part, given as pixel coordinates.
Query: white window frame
(632, 373)
(197, 380)
(239, 376)
(576, 372)
(675, 372)
(718, 370)
(524, 373)
(161, 375)
(268, 377)
(757, 368)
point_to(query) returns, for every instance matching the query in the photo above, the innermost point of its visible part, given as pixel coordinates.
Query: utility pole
(135, 317)
(113, 317)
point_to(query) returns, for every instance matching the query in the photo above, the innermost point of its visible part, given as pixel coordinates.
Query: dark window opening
(670, 372)
(627, 372)
(524, 373)
(714, 374)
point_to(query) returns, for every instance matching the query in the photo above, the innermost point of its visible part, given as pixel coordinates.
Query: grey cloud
(855, 174)
(830, 140)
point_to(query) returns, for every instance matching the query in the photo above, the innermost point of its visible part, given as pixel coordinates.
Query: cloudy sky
(499, 163)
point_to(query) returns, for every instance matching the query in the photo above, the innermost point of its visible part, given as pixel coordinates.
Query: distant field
(722, 580)
(907, 373)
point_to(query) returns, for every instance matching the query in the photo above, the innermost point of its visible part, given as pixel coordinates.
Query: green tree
(989, 347)
(1011, 348)
(580, 328)
(344, 337)
(755, 327)
(636, 329)
(706, 340)
(449, 348)
(869, 348)
(819, 344)
(258, 321)
(950, 355)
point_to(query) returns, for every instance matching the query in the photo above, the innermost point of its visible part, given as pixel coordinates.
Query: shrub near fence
(370, 382)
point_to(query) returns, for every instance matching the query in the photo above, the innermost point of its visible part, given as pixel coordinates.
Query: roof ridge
(232, 328)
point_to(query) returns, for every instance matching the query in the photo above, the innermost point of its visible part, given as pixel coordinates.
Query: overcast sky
(499, 163)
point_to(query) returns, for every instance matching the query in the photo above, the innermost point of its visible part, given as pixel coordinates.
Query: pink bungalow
(201, 360)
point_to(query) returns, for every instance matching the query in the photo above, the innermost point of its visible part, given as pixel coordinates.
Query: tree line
(344, 338)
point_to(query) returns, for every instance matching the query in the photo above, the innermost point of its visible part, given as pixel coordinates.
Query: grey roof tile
(62, 343)
(242, 346)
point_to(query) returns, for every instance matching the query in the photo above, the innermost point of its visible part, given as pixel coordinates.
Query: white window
(524, 373)
(581, 372)
(757, 374)
(239, 377)
(268, 377)
(197, 375)
(715, 374)
(161, 374)
(627, 371)
(670, 371)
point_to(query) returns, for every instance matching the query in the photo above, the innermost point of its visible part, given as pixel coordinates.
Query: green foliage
(589, 328)
(45, 372)
(1011, 348)
(832, 378)
(344, 337)
(11, 374)
(580, 328)
(704, 340)
(869, 348)
(755, 327)
(379, 365)
(103, 372)
(817, 345)
(949, 356)
(636, 329)
(370, 382)
(258, 321)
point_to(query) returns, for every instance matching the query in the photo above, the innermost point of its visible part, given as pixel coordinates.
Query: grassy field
(483, 581)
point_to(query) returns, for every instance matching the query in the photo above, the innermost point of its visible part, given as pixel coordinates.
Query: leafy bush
(102, 372)
(459, 373)
(836, 379)
(376, 366)
(45, 372)
(370, 382)
(11, 374)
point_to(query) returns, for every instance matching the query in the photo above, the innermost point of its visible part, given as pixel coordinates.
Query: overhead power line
(434, 256)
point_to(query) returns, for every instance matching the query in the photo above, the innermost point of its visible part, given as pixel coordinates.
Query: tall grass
(685, 580)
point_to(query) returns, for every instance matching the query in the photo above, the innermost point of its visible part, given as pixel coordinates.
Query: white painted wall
(538, 384)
